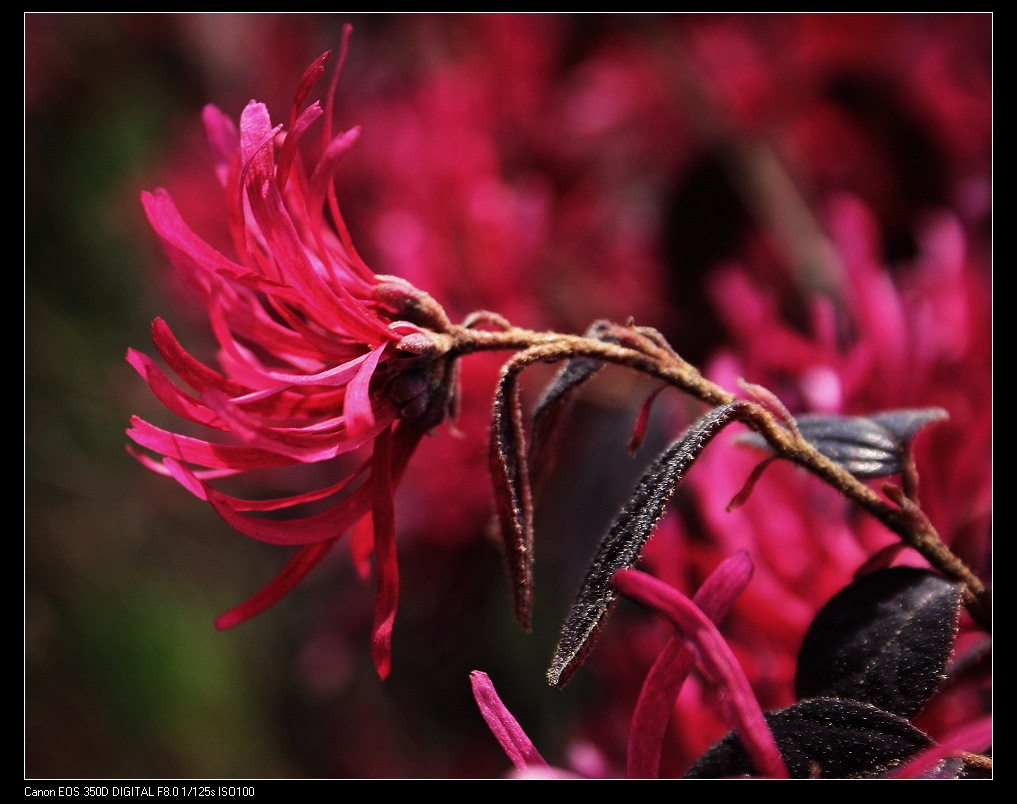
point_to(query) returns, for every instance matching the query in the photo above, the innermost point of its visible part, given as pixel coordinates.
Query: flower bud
(408, 302)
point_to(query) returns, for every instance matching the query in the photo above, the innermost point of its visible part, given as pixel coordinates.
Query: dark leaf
(547, 412)
(862, 446)
(513, 499)
(623, 545)
(866, 446)
(905, 424)
(825, 738)
(883, 640)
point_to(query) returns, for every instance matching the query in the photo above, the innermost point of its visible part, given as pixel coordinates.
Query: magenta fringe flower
(319, 359)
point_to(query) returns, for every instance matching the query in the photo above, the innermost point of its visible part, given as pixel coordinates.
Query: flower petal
(296, 569)
(716, 660)
(975, 737)
(357, 407)
(194, 256)
(203, 453)
(664, 681)
(383, 511)
(503, 725)
(324, 526)
(306, 444)
(175, 400)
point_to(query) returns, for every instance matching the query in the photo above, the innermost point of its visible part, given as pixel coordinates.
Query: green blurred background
(124, 675)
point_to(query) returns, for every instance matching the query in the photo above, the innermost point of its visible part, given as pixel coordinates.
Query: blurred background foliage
(124, 573)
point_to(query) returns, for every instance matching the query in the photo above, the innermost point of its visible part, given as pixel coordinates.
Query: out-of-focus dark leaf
(570, 376)
(883, 640)
(866, 446)
(623, 545)
(905, 424)
(825, 738)
(509, 477)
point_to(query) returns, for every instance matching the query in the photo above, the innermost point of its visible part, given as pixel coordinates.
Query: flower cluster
(318, 357)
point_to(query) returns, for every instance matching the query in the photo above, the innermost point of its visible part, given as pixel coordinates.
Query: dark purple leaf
(825, 738)
(570, 376)
(866, 446)
(883, 640)
(860, 445)
(622, 546)
(905, 424)
(512, 495)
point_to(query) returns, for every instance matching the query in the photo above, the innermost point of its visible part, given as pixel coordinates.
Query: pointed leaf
(825, 738)
(866, 446)
(547, 412)
(860, 445)
(905, 424)
(883, 640)
(513, 499)
(623, 544)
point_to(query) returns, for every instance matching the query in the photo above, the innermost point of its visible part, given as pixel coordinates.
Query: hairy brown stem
(644, 351)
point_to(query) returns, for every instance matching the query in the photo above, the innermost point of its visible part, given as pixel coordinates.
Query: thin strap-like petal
(320, 527)
(296, 569)
(664, 681)
(203, 453)
(175, 400)
(383, 510)
(357, 409)
(193, 372)
(307, 558)
(223, 141)
(301, 444)
(716, 660)
(192, 482)
(170, 226)
(971, 737)
(294, 133)
(286, 247)
(506, 729)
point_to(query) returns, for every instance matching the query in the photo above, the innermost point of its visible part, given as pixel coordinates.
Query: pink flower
(319, 359)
